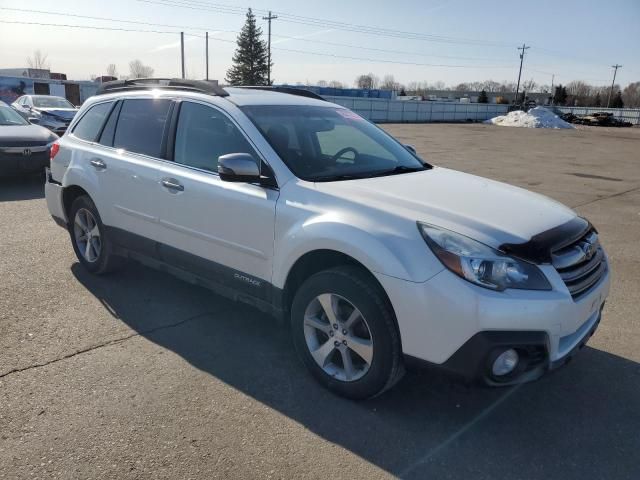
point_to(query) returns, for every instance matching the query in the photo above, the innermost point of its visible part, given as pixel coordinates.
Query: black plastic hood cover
(538, 249)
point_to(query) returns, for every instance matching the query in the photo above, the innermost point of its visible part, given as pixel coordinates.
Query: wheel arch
(69, 194)
(316, 261)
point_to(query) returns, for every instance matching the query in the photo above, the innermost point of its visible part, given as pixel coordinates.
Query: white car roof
(248, 96)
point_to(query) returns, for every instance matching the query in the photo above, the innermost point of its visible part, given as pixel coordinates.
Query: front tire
(89, 239)
(344, 330)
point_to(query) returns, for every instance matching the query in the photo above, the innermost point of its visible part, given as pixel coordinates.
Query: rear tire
(89, 238)
(344, 331)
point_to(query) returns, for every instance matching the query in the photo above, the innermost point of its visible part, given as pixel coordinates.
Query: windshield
(329, 143)
(8, 116)
(51, 102)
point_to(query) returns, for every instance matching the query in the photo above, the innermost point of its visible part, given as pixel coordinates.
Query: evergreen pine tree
(560, 95)
(482, 98)
(617, 101)
(598, 101)
(250, 60)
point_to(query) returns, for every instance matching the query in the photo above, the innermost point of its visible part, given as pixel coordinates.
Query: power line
(286, 37)
(304, 52)
(379, 31)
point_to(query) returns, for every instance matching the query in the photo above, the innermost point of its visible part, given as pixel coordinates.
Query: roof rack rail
(290, 90)
(209, 87)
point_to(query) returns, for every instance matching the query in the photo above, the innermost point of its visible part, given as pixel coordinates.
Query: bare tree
(137, 69)
(367, 81)
(38, 61)
(322, 83)
(335, 84)
(389, 83)
(112, 70)
(529, 85)
(631, 95)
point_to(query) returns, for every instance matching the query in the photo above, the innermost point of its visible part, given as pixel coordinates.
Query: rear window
(91, 122)
(141, 125)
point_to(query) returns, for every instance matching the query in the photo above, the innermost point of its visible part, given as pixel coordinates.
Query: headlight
(480, 264)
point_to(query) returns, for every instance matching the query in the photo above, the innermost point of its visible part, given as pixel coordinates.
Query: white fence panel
(382, 110)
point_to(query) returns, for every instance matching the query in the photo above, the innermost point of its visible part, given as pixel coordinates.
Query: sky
(453, 41)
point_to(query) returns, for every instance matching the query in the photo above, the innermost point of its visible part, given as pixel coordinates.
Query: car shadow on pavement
(21, 188)
(581, 421)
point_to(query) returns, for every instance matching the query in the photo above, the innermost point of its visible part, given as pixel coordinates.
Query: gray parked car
(24, 148)
(54, 113)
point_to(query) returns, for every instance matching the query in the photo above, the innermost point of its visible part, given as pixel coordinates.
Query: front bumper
(454, 324)
(23, 160)
(474, 359)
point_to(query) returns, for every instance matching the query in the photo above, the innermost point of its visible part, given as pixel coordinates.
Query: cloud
(171, 45)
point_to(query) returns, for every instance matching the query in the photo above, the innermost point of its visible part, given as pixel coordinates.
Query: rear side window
(91, 122)
(204, 134)
(141, 125)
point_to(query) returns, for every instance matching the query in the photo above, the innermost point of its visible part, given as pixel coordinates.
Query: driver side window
(204, 134)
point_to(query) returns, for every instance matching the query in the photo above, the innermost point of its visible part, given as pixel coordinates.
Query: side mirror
(34, 120)
(238, 167)
(411, 148)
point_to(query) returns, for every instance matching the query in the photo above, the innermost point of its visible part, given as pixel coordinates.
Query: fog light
(505, 363)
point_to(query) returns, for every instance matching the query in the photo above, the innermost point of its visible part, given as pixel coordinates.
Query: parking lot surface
(140, 375)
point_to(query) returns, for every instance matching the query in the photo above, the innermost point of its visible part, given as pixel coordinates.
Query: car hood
(25, 135)
(489, 211)
(64, 113)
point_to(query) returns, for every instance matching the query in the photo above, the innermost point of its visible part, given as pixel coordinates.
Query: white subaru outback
(304, 209)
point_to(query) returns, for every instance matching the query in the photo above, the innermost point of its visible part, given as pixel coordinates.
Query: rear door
(223, 231)
(137, 144)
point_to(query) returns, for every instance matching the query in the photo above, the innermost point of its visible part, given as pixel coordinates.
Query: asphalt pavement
(140, 375)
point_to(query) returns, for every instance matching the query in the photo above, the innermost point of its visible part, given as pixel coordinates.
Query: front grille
(580, 264)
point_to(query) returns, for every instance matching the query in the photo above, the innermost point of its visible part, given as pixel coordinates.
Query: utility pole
(269, 18)
(523, 48)
(615, 71)
(182, 52)
(553, 76)
(206, 55)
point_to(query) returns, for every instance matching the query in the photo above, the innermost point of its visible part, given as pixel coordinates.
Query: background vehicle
(24, 148)
(54, 113)
(304, 209)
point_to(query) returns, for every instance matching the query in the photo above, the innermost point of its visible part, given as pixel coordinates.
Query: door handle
(98, 164)
(172, 184)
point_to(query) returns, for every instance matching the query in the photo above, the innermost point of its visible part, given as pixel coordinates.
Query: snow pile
(537, 117)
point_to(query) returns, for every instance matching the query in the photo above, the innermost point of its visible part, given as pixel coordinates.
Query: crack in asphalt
(105, 344)
(606, 198)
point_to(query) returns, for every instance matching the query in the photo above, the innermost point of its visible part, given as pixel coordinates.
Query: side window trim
(173, 130)
(115, 112)
(166, 131)
(104, 124)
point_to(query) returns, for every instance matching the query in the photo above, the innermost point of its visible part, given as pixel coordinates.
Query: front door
(221, 230)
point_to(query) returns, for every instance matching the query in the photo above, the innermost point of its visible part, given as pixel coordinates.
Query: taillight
(55, 148)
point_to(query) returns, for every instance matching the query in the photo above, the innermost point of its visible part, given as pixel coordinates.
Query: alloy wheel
(87, 235)
(338, 337)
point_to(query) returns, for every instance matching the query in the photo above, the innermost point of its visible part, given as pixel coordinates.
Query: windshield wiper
(383, 173)
(336, 178)
(397, 170)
